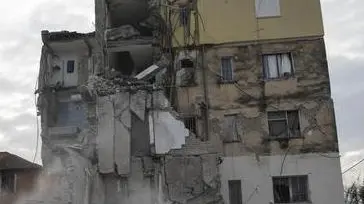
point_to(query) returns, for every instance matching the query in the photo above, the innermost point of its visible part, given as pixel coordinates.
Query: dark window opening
(190, 123)
(284, 124)
(226, 69)
(235, 194)
(187, 63)
(70, 66)
(278, 66)
(123, 63)
(8, 182)
(293, 189)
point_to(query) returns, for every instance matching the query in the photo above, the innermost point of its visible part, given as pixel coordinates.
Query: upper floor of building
(217, 22)
(191, 22)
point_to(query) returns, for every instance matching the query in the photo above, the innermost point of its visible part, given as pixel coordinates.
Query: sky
(20, 45)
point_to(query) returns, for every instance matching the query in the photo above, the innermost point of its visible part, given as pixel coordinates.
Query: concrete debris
(122, 149)
(185, 77)
(168, 132)
(105, 134)
(123, 32)
(159, 101)
(148, 72)
(138, 104)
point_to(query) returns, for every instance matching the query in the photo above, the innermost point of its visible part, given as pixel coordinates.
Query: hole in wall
(123, 63)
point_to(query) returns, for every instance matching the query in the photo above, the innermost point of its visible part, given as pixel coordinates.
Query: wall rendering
(255, 173)
(237, 21)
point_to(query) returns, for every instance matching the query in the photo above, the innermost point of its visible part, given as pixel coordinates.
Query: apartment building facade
(261, 68)
(203, 101)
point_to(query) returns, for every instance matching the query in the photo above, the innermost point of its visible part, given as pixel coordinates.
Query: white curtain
(285, 65)
(272, 66)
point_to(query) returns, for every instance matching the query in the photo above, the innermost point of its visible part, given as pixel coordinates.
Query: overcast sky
(20, 46)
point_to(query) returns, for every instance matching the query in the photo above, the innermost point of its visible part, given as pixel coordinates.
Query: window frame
(279, 76)
(289, 135)
(67, 66)
(194, 118)
(222, 77)
(290, 185)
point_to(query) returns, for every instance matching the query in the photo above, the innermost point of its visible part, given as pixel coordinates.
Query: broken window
(235, 193)
(190, 123)
(8, 182)
(70, 66)
(292, 189)
(231, 129)
(267, 8)
(278, 66)
(227, 69)
(284, 124)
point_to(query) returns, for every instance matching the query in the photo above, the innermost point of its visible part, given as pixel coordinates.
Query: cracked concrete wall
(250, 96)
(192, 179)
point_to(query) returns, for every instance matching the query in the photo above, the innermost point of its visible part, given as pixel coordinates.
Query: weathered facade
(161, 105)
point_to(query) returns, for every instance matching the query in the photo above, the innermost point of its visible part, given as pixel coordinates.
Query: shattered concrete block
(168, 132)
(105, 135)
(122, 149)
(122, 32)
(159, 100)
(185, 77)
(122, 108)
(138, 103)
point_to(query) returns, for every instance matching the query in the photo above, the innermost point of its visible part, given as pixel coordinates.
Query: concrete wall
(255, 173)
(235, 21)
(250, 96)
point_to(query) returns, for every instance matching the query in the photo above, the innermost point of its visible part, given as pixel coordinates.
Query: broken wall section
(242, 102)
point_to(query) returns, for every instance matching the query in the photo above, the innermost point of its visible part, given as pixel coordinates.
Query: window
(227, 69)
(70, 66)
(8, 182)
(291, 189)
(187, 63)
(235, 194)
(267, 8)
(278, 66)
(284, 124)
(190, 123)
(231, 129)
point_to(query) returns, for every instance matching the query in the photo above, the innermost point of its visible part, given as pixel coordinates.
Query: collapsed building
(179, 102)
